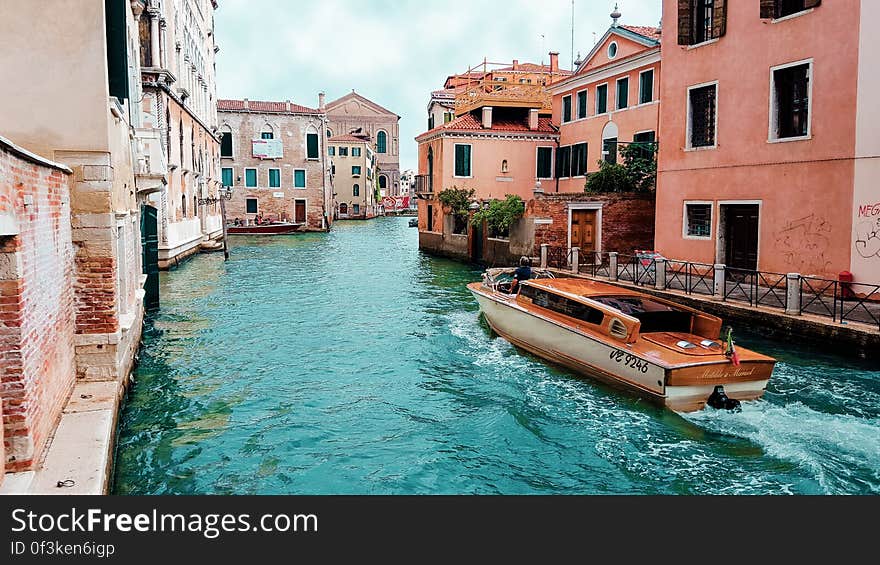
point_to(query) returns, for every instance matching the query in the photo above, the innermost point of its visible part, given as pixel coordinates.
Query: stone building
(355, 115)
(76, 105)
(180, 123)
(354, 184)
(274, 156)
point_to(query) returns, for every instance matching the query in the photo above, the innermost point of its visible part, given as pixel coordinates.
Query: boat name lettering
(629, 360)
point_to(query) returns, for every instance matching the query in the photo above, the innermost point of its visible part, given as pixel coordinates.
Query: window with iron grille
(791, 101)
(702, 111)
(701, 20)
(699, 220)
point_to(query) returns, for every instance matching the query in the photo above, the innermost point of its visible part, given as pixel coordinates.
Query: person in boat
(522, 273)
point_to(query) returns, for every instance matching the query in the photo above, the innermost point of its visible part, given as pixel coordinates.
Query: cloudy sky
(395, 52)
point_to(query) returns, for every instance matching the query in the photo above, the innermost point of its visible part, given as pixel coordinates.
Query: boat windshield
(654, 316)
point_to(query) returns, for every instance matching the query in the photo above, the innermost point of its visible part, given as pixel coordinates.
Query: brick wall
(627, 219)
(36, 304)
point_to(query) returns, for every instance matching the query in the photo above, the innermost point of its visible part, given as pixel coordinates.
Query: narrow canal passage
(349, 363)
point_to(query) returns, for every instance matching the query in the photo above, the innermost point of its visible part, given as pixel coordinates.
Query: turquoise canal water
(350, 363)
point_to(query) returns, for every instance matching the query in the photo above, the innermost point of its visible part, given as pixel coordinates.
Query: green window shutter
(251, 205)
(545, 160)
(646, 87)
(227, 176)
(462, 160)
(226, 144)
(250, 177)
(622, 94)
(582, 105)
(299, 178)
(381, 142)
(566, 109)
(312, 145)
(684, 22)
(267, 135)
(117, 48)
(602, 99)
(274, 178)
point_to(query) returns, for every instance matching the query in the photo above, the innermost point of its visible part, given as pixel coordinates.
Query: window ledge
(790, 139)
(227, 157)
(706, 148)
(703, 44)
(698, 237)
(792, 16)
(458, 177)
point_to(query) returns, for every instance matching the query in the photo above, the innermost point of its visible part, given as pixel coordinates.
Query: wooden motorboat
(413, 222)
(672, 354)
(274, 228)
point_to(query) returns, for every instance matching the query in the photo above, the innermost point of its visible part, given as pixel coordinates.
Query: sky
(395, 52)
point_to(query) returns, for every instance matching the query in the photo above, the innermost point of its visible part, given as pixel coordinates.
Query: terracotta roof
(347, 139)
(532, 68)
(469, 122)
(445, 93)
(645, 31)
(261, 106)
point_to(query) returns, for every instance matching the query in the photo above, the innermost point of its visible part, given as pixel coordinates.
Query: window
(566, 109)
(343, 151)
(331, 150)
(183, 205)
(582, 105)
(381, 142)
(563, 162)
(646, 87)
(431, 122)
(356, 170)
(267, 135)
(612, 50)
(609, 147)
(430, 218)
(698, 219)
(356, 190)
(274, 178)
(702, 116)
(545, 163)
(645, 141)
(355, 151)
(357, 209)
(329, 134)
(790, 102)
(251, 205)
(227, 176)
(462, 160)
(299, 178)
(311, 145)
(781, 8)
(226, 144)
(701, 20)
(448, 117)
(383, 182)
(579, 159)
(563, 305)
(622, 93)
(601, 99)
(250, 178)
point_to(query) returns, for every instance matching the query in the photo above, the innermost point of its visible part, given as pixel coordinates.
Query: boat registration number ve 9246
(629, 360)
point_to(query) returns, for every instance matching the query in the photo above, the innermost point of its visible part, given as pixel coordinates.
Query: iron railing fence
(758, 288)
(860, 303)
(814, 295)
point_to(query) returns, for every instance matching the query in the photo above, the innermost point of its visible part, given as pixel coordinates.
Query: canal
(350, 363)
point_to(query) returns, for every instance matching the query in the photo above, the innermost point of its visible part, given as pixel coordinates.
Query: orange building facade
(768, 136)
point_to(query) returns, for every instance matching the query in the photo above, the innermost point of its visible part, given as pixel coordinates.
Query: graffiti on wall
(804, 244)
(868, 231)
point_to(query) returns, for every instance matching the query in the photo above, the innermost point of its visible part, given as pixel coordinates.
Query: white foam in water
(828, 446)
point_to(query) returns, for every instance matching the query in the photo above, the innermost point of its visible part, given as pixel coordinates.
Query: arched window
(343, 208)
(267, 132)
(381, 142)
(383, 182)
(430, 169)
(183, 205)
(195, 206)
(356, 190)
(226, 141)
(504, 168)
(329, 133)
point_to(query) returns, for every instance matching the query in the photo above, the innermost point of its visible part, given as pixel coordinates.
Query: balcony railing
(496, 93)
(422, 184)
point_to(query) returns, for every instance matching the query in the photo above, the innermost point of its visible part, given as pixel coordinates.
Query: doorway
(739, 230)
(583, 230)
(299, 211)
(150, 255)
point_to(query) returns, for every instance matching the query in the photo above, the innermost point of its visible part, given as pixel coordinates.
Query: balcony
(151, 170)
(423, 187)
(496, 93)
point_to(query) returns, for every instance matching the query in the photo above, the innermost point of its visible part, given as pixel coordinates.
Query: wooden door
(741, 236)
(583, 230)
(299, 211)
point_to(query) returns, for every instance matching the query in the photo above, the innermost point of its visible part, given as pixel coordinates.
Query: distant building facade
(354, 114)
(354, 170)
(274, 157)
(180, 123)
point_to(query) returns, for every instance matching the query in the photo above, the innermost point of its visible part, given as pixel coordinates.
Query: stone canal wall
(37, 316)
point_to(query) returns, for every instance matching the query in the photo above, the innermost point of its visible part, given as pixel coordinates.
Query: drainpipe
(555, 172)
(323, 138)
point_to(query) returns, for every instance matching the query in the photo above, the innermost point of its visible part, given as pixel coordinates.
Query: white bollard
(545, 251)
(660, 273)
(612, 266)
(793, 294)
(719, 281)
(575, 259)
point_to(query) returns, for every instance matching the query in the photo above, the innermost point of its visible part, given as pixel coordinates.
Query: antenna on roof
(572, 34)
(542, 49)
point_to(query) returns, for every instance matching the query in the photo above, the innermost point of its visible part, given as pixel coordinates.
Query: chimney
(533, 119)
(246, 105)
(487, 117)
(516, 64)
(554, 61)
(321, 101)
(288, 106)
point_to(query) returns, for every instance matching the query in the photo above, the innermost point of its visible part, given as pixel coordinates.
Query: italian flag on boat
(731, 350)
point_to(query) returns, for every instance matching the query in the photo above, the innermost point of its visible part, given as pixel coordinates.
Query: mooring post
(793, 294)
(545, 248)
(719, 281)
(612, 266)
(660, 273)
(575, 259)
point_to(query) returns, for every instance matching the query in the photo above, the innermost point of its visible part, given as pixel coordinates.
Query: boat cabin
(623, 314)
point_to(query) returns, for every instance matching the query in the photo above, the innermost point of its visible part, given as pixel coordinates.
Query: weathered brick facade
(36, 303)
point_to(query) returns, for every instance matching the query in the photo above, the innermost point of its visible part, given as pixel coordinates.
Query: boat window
(685, 344)
(563, 305)
(709, 344)
(654, 316)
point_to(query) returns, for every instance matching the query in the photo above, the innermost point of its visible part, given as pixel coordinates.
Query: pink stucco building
(769, 136)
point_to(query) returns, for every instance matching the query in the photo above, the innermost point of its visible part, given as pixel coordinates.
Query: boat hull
(682, 389)
(271, 229)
